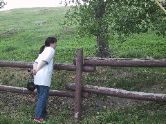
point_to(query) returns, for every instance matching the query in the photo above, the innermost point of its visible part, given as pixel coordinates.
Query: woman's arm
(37, 67)
(41, 65)
(46, 57)
(34, 71)
(48, 54)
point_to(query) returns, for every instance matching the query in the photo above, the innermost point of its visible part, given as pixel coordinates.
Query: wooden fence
(81, 64)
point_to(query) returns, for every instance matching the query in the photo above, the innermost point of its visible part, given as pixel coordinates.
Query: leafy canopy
(123, 17)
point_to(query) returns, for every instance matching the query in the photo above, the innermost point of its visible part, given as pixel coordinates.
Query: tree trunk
(102, 33)
(102, 46)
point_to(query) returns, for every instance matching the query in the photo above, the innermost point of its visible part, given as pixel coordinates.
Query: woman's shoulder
(49, 50)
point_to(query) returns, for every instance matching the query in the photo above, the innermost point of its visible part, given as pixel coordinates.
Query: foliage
(121, 18)
(124, 17)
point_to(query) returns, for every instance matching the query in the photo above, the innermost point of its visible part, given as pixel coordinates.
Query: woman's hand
(34, 71)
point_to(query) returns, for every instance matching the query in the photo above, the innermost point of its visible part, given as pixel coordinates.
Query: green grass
(143, 46)
(23, 31)
(132, 115)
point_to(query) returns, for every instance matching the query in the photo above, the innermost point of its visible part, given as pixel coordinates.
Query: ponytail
(48, 41)
(41, 49)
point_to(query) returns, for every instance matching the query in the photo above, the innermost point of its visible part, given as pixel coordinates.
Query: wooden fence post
(78, 91)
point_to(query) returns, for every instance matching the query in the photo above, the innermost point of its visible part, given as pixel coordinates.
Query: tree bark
(102, 45)
(102, 33)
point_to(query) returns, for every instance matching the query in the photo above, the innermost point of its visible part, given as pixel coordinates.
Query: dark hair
(48, 41)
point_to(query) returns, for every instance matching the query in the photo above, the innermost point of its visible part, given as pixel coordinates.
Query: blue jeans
(42, 98)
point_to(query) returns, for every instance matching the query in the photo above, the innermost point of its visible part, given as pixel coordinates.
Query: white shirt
(44, 75)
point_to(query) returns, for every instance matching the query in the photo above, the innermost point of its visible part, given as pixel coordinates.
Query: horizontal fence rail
(72, 67)
(120, 93)
(68, 67)
(23, 90)
(124, 62)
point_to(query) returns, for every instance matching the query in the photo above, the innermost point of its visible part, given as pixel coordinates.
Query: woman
(42, 70)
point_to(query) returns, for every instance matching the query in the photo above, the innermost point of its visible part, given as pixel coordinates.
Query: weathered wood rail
(124, 62)
(68, 67)
(120, 93)
(22, 90)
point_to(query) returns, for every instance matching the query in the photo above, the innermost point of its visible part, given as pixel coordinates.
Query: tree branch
(161, 7)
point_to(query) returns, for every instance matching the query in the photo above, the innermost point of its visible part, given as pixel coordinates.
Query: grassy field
(23, 31)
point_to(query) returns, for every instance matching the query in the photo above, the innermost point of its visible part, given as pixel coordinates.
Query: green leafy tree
(104, 18)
